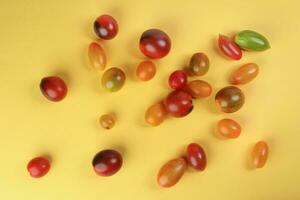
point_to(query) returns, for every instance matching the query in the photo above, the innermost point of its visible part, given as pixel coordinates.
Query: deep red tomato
(178, 103)
(178, 79)
(53, 88)
(107, 162)
(155, 43)
(106, 27)
(196, 156)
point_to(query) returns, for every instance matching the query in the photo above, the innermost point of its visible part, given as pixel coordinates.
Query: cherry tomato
(146, 70)
(155, 43)
(107, 162)
(178, 103)
(106, 27)
(196, 156)
(178, 79)
(171, 172)
(38, 167)
(229, 48)
(53, 88)
(260, 154)
(199, 65)
(199, 89)
(229, 128)
(155, 114)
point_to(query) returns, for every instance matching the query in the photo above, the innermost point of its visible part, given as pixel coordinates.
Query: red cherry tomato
(53, 88)
(178, 79)
(196, 156)
(38, 167)
(155, 43)
(229, 48)
(106, 27)
(107, 162)
(178, 103)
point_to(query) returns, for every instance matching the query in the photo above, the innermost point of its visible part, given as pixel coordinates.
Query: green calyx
(251, 40)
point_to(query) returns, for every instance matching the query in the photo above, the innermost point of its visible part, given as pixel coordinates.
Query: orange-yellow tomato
(244, 74)
(146, 70)
(171, 172)
(107, 121)
(199, 89)
(260, 154)
(97, 56)
(229, 128)
(155, 114)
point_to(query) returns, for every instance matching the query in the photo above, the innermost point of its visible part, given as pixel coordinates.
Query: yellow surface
(40, 38)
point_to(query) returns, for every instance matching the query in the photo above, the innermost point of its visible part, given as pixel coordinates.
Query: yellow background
(41, 38)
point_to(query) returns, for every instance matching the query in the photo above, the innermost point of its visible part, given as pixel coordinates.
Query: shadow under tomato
(133, 46)
(129, 70)
(88, 28)
(248, 160)
(209, 104)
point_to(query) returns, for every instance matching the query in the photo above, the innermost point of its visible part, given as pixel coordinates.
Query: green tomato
(113, 79)
(251, 40)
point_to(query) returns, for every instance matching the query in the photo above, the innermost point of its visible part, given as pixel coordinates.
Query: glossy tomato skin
(229, 128)
(38, 167)
(244, 74)
(196, 157)
(53, 88)
(252, 41)
(230, 99)
(178, 103)
(107, 121)
(155, 114)
(113, 79)
(155, 43)
(146, 70)
(199, 89)
(106, 27)
(107, 162)
(178, 79)
(171, 172)
(97, 56)
(199, 65)
(260, 154)
(229, 48)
